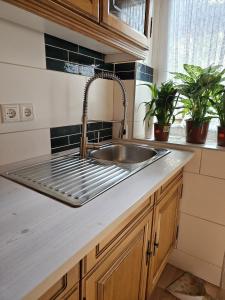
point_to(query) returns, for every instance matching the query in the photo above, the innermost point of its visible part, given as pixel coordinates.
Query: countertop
(41, 238)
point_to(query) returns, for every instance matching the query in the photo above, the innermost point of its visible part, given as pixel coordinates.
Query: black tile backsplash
(125, 67)
(126, 75)
(81, 59)
(55, 65)
(54, 52)
(105, 67)
(91, 53)
(56, 42)
(59, 142)
(68, 137)
(144, 72)
(72, 58)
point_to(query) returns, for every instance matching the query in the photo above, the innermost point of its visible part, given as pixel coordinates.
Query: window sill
(177, 140)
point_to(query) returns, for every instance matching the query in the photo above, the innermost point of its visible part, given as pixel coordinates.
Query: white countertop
(41, 238)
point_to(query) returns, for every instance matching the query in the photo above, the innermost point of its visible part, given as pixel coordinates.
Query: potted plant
(162, 105)
(217, 100)
(195, 87)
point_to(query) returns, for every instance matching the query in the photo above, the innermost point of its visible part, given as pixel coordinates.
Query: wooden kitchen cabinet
(165, 231)
(122, 274)
(129, 18)
(128, 262)
(98, 20)
(88, 8)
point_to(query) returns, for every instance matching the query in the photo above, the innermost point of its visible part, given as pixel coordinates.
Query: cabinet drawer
(172, 183)
(60, 289)
(122, 230)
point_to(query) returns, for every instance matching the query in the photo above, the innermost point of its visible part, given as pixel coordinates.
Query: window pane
(196, 33)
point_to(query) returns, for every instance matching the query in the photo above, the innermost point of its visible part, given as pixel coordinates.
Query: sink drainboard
(74, 180)
(69, 178)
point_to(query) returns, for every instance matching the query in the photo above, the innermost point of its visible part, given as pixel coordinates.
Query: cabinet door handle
(156, 245)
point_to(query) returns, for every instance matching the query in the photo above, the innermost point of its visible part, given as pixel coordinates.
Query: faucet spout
(84, 140)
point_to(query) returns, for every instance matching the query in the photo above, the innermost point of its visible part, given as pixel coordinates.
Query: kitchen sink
(124, 153)
(75, 180)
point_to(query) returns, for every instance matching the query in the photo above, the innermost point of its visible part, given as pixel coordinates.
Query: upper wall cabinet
(122, 25)
(129, 18)
(89, 8)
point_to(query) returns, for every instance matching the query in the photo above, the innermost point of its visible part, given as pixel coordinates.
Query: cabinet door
(164, 235)
(73, 294)
(122, 274)
(88, 8)
(129, 18)
(65, 288)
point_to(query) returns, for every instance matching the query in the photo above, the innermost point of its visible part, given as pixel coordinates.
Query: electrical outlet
(10, 112)
(26, 112)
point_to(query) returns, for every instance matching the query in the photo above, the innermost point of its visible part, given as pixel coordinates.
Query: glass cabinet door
(128, 17)
(131, 12)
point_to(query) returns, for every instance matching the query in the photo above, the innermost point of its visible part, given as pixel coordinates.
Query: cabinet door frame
(79, 8)
(113, 23)
(154, 273)
(112, 260)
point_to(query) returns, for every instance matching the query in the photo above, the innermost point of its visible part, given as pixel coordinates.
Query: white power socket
(26, 112)
(10, 112)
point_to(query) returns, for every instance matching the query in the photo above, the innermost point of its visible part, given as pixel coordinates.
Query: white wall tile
(57, 97)
(20, 45)
(202, 239)
(23, 145)
(196, 266)
(139, 130)
(204, 197)
(100, 100)
(142, 94)
(118, 107)
(213, 162)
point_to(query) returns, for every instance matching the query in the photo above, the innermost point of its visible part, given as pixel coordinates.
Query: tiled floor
(171, 274)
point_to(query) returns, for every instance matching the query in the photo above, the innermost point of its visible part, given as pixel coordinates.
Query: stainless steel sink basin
(124, 153)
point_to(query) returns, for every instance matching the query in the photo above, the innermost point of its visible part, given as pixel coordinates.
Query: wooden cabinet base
(128, 263)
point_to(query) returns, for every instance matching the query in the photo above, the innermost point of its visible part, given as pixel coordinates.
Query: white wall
(201, 243)
(142, 94)
(57, 97)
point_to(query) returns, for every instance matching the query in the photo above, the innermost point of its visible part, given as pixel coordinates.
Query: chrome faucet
(84, 141)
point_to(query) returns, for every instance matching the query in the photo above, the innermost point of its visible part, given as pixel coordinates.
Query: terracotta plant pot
(161, 132)
(195, 133)
(221, 136)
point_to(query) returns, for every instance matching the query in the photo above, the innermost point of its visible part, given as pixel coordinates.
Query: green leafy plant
(162, 104)
(196, 87)
(217, 100)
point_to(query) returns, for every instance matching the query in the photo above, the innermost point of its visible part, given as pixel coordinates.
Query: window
(196, 33)
(192, 32)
